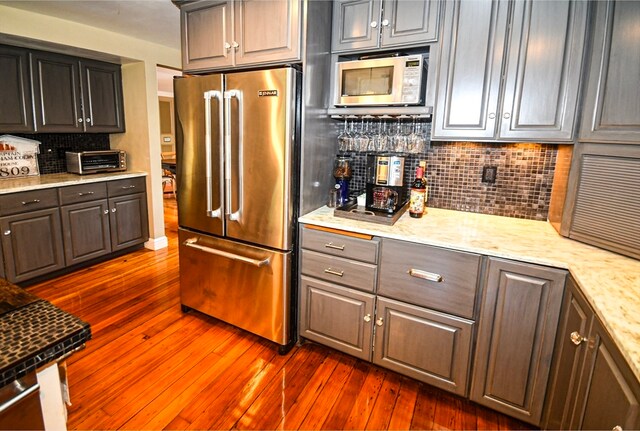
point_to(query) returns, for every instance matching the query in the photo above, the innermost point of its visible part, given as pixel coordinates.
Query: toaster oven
(90, 162)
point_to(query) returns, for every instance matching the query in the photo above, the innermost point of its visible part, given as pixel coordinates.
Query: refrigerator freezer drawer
(243, 285)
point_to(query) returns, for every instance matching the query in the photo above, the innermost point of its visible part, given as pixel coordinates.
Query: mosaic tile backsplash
(523, 180)
(53, 146)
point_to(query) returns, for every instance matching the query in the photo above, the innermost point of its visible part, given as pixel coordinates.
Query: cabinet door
(544, 69)
(409, 22)
(128, 221)
(611, 108)
(336, 316)
(32, 244)
(267, 31)
(517, 328)
(16, 110)
(85, 227)
(356, 24)
(429, 346)
(207, 35)
(102, 95)
(571, 347)
(609, 394)
(57, 93)
(470, 69)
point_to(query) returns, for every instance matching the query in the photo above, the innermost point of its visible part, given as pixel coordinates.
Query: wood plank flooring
(151, 367)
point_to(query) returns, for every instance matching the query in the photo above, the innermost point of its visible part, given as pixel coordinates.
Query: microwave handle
(208, 95)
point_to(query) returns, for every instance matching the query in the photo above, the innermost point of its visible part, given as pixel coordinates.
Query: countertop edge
(46, 181)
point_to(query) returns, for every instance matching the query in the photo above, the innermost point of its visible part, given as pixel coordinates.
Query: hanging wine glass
(343, 138)
(371, 143)
(399, 139)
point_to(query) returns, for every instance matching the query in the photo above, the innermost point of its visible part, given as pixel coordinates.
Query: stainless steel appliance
(20, 407)
(385, 184)
(237, 197)
(388, 81)
(90, 162)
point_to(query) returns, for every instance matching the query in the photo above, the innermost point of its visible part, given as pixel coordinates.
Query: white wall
(140, 87)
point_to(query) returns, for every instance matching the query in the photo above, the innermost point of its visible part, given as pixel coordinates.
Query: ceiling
(155, 21)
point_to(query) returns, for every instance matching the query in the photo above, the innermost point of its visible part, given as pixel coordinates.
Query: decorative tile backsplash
(54, 145)
(523, 177)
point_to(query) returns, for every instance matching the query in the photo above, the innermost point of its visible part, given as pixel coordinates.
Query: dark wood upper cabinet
(58, 96)
(102, 96)
(16, 112)
(76, 95)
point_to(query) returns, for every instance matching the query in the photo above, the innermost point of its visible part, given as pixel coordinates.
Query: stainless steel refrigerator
(237, 197)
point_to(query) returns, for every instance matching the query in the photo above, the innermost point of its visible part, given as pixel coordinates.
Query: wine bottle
(418, 194)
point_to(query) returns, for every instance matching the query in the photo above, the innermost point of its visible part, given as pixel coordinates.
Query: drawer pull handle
(334, 272)
(35, 201)
(128, 187)
(426, 275)
(367, 318)
(85, 193)
(337, 247)
(576, 338)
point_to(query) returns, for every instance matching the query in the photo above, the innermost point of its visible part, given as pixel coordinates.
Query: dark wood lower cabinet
(427, 345)
(517, 328)
(46, 230)
(128, 220)
(337, 317)
(592, 386)
(32, 244)
(86, 231)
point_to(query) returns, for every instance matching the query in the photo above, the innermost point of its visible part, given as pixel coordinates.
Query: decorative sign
(18, 157)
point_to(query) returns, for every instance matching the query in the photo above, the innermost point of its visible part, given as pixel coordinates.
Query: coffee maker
(385, 186)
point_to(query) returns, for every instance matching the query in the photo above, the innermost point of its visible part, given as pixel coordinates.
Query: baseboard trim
(157, 243)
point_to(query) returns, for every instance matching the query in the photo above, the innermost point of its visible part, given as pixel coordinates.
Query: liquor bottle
(418, 195)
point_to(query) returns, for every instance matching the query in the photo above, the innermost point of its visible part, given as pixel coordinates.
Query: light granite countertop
(46, 181)
(609, 281)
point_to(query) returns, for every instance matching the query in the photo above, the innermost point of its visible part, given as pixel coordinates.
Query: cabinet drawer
(340, 245)
(440, 279)
(126, 186)
(354, 274)
(15, 203)
(82, 193)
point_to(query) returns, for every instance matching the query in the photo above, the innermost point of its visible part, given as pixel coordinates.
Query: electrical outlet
(489, 174)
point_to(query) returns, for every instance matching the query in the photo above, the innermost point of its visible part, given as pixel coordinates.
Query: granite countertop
(33, 332)
(23, 184)
(609, 281)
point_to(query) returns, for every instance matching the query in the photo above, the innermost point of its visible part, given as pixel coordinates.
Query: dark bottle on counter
(418, 196)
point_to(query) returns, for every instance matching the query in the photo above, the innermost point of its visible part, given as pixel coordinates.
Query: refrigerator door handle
(228, 95)
(193, 243)
(208, 95)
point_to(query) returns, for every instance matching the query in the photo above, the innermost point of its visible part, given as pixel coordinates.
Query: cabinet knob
(617, 428)
(379, 321)
(385, 23)
(576, 338)
(80, 120)
(374, 24)
(227, 46)
(88, 120)
(235, 45)
(106, 211)
(367, 318)
(113, 210)
(7, 232)
(506, 116)
(492, 116)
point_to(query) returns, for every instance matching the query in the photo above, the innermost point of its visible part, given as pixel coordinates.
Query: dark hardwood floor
(149, 366)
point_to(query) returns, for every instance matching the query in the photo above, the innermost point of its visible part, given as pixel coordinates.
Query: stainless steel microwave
(388, 81)
(90, 162)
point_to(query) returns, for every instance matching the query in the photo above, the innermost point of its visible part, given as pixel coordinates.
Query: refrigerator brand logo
(266, 93)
